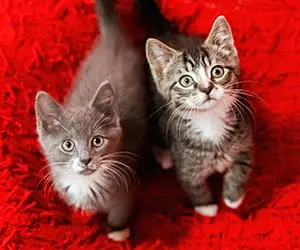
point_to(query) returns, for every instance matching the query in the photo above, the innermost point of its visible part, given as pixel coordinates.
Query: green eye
(68, 145)
(97, 141)
(217, 72)
(186, 81)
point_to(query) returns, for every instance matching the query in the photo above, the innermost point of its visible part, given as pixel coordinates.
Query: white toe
(119, 235)
(207, 210)
(234, 204)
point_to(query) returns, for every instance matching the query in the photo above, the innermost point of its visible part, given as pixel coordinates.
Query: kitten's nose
(86, 161)
(208, 89)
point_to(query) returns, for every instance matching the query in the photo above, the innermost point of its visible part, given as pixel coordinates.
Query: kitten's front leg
(203, 200)
(235, 179)
(199, 193)
(118, 219)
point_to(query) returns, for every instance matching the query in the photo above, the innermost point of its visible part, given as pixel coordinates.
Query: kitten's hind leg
(163, 157)
(234, 183)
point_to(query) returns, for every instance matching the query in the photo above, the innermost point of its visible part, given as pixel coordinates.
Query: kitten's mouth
(87, 171)
(208, 99)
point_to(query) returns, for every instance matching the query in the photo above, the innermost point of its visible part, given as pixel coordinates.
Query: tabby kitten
(91, 141)
(204, 119)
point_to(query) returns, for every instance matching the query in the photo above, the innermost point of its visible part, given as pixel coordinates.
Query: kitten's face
(197, 79)
(76, 141)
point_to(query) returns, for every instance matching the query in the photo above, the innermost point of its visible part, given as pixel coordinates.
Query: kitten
(91, 142)
(202, 113)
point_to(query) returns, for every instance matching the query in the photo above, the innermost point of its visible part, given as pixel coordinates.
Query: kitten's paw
(121, 235)
(207, 210)
(221, 168)
(163, 157)
(234, 204)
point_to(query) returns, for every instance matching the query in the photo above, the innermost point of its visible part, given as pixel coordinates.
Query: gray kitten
(92, 141)
(202, 115)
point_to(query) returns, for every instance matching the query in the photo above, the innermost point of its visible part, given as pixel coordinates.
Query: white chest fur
(79, 191)
(210, 124)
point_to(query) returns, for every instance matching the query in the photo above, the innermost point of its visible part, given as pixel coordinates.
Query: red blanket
(41, 46)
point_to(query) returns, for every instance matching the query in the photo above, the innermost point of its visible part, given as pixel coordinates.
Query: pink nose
(208, 89)
(86, 161)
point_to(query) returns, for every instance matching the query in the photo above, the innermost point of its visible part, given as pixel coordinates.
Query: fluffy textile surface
(41, 46)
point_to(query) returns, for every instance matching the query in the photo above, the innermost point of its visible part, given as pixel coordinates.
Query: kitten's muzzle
(207, 90)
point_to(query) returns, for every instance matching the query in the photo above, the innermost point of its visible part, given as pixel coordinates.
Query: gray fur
(204, 136)
(107, 99)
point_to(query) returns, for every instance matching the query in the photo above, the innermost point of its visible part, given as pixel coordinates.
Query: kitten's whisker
(230, 84)
(160, 108)
(232, 101)
(125, 154)
(246, 100)
(243, 98)
(129, 169)
(122, 170)
(171, 118)
(126, 178)
(247, 81)
(47, 181)
(228, 105)
(49, 165)
(112, 173)
(115, 168)
(44, 179)
(241, 103)
(118, 174)
(246, 93)
(120, 156)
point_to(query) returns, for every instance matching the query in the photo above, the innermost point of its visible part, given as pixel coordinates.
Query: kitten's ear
(47, 110)
(220, 33)
(104, 97)
(158, 55)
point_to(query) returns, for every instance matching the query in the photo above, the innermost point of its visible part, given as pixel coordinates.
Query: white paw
(119, 235)
(234, 204)
(164, 158)
(207, 210)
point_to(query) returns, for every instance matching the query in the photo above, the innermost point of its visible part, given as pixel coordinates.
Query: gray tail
(151, 16)
(107, 17)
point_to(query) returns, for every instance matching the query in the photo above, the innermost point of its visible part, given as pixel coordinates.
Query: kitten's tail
(108, 18)
(153, 19)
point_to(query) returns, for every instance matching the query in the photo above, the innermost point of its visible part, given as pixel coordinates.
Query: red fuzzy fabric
(41, 45)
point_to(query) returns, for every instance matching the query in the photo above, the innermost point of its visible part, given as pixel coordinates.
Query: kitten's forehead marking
(189, 62)
(203, 78)
(206, 61)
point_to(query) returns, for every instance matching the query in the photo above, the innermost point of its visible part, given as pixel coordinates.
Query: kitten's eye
(217, 72)
(68, 145)
(97, 141)
(186, 81)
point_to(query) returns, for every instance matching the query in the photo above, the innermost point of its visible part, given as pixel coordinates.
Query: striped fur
(204, 136)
